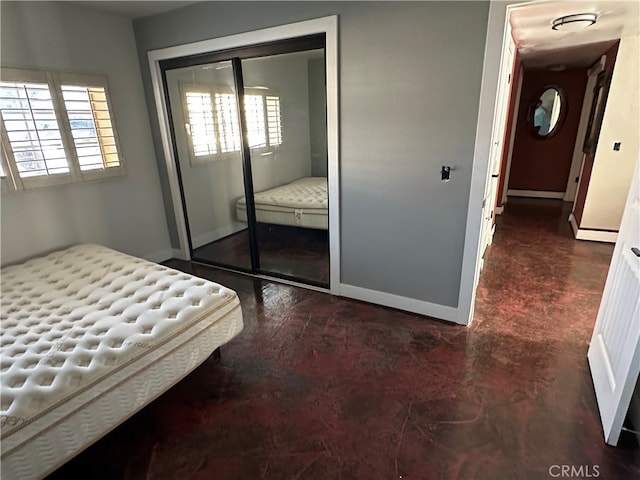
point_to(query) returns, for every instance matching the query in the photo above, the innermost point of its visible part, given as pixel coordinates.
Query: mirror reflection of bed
(292, 223)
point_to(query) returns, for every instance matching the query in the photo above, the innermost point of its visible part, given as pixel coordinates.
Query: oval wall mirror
(545, 116)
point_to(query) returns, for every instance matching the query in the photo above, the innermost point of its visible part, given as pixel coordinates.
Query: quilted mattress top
(306, 192)
(72, 317)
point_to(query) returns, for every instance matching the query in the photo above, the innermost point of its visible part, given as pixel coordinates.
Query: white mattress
(301, 203)
(89, 336)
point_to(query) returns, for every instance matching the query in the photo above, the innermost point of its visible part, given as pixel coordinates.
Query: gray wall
(318, 117)
(410, 76)
(125, 213)
(211, 189)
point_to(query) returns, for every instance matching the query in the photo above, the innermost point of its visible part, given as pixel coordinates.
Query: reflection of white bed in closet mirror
(301, 203)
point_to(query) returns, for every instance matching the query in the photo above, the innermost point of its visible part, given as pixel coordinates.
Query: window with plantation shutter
(56, 128)
(32, 129)
(213, 128)
(91, 127)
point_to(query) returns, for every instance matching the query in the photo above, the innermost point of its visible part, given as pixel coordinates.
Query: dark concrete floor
(320, 387)
(299, 253)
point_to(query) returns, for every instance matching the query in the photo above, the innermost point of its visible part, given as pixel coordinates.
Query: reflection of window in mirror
(212, 120)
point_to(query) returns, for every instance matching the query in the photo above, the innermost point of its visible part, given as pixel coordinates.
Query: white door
(497, 139)
(614, 353)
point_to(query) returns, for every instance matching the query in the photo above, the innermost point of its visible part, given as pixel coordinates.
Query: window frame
(7, 182)
(55, 80)
(88, 81)
(212, 90)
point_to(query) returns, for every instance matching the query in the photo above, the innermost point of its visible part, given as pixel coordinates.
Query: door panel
(285, 109)
(614, 353)
(204, 115)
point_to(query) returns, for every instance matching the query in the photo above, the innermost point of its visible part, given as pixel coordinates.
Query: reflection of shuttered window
(262, 113)
(56, 128)
(273, 120)
(32, 129)
(227, 116)
(254, 112)
(203, 132)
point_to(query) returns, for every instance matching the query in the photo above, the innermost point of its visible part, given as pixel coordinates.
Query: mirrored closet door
(289, 162)
(249, 134)
(207, 141)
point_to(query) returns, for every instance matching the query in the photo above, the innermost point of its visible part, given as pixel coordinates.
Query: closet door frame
(259, 43)
(235, 57)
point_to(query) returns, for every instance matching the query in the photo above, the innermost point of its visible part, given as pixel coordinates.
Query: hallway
(322, 387)
(538, 281)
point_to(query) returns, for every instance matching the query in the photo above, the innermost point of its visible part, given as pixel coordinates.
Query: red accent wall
(544, 164)
(513, 95)
(587, 167)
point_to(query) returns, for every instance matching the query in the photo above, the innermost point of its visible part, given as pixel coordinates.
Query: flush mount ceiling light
(572, 23)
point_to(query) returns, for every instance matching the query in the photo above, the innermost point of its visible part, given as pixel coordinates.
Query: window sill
(51, 182)
(220, 157)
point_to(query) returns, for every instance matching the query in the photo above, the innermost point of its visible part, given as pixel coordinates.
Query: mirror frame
(561, 117)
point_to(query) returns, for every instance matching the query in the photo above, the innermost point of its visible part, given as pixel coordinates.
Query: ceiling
(132, 9)
(537, 43)
(540, 46)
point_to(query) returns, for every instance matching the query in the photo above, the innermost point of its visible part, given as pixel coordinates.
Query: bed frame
(89, 337)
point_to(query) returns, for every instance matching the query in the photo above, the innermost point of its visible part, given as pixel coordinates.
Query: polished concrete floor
(320, 387)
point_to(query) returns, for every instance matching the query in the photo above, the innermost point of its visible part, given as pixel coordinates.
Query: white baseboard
(177, 253)
(499, 210)
(591, 235)
(535, 194)
(442, 312)
(574, 224)
(160, 255)
(596, 235)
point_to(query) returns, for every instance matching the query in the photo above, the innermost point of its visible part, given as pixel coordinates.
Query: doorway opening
(545, 161)
(538, 186)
